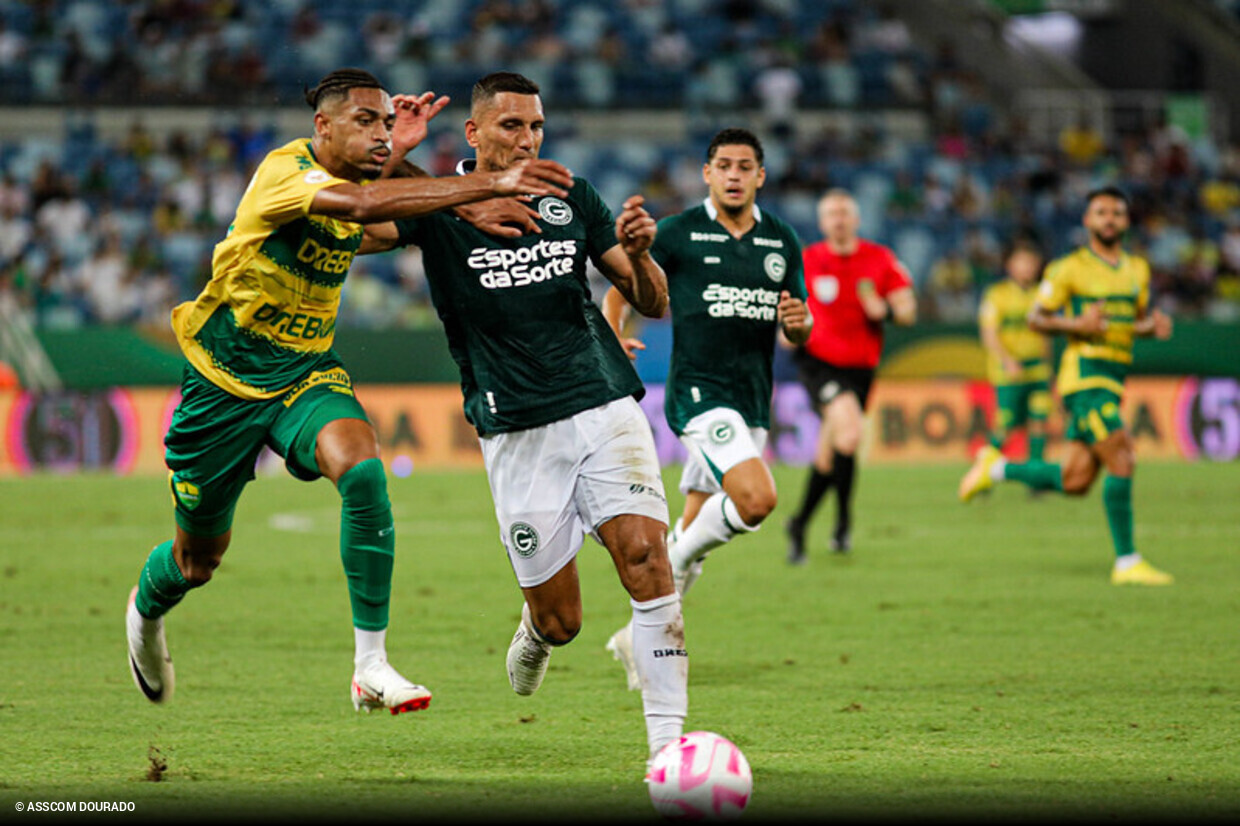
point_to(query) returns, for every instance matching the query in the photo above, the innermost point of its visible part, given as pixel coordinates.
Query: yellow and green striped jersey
(1081, 278)
(1005, 309)
(266, 319)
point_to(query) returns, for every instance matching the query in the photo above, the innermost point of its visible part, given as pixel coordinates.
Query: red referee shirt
(842, 335)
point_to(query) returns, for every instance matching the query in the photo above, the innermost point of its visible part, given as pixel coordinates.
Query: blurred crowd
(97, 230)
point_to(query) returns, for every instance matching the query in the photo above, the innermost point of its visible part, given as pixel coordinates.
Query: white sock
(663, 663)
(1125, 561)
(996, 470)
(369, 647)
(716, 523)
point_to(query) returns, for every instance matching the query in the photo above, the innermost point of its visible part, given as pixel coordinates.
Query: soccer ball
(701, 776)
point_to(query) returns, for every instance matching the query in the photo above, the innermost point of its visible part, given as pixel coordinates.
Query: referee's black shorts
(824, 381)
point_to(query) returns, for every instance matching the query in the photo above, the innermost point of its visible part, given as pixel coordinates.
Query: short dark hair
(1022, 243)
(735, 136)
(1109, 191)
(336, 86)
(493, 84)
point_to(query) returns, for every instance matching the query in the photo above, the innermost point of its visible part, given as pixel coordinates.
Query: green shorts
(1019, 404)
(215, 439)
(1092, 415)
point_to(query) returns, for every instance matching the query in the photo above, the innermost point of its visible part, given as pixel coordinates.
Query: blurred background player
(855, 286)
(553, 397)
(734, 279)
(261, 370)
(1099, 297)
(1017, 356)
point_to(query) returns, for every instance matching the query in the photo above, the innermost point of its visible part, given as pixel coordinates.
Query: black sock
(845, 470)
(816, 488)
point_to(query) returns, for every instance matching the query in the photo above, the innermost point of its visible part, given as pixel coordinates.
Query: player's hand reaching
(794, 317)
(413, 114)
(635, 229)
(505, 217)
(631, 346)
(535, 176)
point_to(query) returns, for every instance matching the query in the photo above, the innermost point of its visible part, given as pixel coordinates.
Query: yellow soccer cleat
(978, 478)
(1142, 573)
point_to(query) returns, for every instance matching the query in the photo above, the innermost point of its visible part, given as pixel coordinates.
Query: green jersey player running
(553, 397)
(261, 370)
(734, 279)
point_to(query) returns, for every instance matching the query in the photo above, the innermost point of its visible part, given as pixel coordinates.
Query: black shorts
(824, 381)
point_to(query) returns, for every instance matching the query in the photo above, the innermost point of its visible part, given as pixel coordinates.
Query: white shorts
(717, 440)
(553, 484)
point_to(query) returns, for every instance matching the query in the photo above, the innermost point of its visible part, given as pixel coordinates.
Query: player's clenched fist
(635, 229)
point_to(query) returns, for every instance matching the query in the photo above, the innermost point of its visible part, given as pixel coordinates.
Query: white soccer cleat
(381, 686)
(684, 578)
(621, 647)
(148, 654)
(527, 657)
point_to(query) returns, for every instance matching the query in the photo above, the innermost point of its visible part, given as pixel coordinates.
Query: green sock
(1037, 475)
(161, 585)
(1117, 499)
(1037, 448)
(997, 439)
(367, 543)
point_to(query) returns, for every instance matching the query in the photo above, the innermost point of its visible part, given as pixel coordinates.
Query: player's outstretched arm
(393, 198)
(629, 266)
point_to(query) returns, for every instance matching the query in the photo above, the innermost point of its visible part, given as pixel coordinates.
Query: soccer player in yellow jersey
(1097, 296)
(1017, 357)
(261, 370)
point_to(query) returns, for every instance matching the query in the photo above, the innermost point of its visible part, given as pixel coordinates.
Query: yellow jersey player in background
(1018, 358)
(1098, 297)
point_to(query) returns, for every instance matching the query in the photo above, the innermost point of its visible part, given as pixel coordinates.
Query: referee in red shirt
(854, 286)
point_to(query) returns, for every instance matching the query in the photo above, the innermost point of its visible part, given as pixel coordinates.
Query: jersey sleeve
(796, 266)
(284, 189)
(895, 276)
(409, 231)
(663, 251)
(600, 224)
(1143, 288)
(988, 312)
(1056, 288)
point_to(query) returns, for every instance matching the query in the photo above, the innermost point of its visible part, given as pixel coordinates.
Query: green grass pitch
(963, 662)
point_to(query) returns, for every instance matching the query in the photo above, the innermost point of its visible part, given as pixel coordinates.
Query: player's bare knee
(755, 506)
(646, 567)
(1077, 484)
(198, 567)
(557, 626)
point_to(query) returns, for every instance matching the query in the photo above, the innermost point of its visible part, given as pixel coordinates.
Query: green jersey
(531, 345)
(724, 293)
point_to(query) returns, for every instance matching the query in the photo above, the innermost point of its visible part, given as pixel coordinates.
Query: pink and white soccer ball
(701, 776)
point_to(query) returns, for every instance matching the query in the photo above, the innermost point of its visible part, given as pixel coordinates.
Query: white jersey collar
(714, 213)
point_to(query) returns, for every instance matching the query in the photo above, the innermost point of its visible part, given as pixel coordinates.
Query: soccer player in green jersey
(1017, 356)
(734, 280)
(261, 370)
(1097, 296)
(553, 398)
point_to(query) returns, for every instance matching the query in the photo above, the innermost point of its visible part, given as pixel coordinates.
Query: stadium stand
(101, 229)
